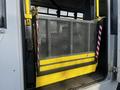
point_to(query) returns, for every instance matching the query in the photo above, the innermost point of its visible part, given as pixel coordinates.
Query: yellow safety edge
(66, 58)
(64, 75)
(65, 64)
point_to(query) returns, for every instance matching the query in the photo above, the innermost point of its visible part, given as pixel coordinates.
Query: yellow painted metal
(28, 22)
(28, 14)
(97, 8)
(65, 64)
(66, 58)
(64, 75)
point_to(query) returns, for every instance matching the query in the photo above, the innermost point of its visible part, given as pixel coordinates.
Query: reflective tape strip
(99, 41)
(65, 64)
(66, 58)
(64, 75)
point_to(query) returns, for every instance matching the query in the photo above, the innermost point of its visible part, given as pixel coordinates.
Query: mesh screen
(42, 39)
(61, 37)
(80, 37)
(93, 37)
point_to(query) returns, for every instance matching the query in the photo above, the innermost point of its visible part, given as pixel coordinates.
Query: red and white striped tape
(99, 41)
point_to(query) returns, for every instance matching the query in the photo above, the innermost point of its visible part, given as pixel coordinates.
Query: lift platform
(62, 48)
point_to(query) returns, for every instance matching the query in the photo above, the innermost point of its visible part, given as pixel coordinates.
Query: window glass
(2, 14)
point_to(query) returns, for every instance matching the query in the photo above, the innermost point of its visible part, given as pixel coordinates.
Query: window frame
(4, 19)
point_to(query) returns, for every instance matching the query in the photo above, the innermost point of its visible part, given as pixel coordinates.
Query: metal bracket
(115, 69)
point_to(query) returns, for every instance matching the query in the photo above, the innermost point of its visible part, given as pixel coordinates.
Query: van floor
(75, 83)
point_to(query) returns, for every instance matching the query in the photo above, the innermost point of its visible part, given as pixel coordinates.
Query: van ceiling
(68, 5)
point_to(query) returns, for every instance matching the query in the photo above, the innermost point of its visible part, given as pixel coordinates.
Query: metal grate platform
(75, 83)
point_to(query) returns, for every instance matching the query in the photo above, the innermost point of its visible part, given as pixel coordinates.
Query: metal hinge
(115, 69)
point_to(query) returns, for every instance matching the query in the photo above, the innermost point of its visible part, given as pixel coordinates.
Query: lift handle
(98, 8)
(28, 14)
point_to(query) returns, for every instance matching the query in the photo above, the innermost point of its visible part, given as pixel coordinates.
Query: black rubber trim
(29, 82)
(23, 41)
(54, 3)
(114, 17)
(65, 68)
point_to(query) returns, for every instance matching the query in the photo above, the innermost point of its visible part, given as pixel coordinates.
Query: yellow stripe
(66, 58)
(97, 8)
(64, 75)
(65, 64)
(27, 9)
